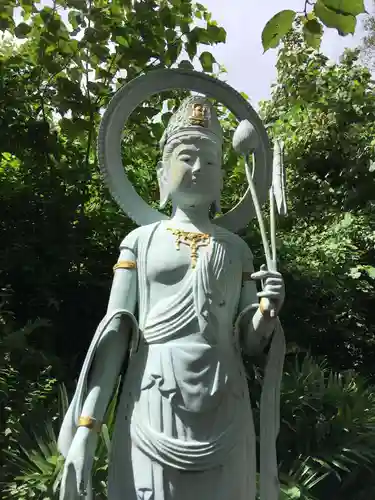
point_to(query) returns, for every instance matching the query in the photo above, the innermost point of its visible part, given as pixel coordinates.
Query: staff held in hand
(245, 141)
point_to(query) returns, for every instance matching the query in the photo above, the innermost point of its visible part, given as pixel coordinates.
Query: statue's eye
(185, 158)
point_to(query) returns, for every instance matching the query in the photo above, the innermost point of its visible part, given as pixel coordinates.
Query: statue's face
(194, 172)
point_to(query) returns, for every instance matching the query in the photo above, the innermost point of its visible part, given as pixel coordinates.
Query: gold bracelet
(263, 311)
(90, 423)
(125, 264)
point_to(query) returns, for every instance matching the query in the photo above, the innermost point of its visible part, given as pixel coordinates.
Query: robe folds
(184, 426)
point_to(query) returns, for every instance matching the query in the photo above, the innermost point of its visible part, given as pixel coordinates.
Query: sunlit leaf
(216, 33)
(185, 65)
(313, 31)
(22, 30)
(352, 7)
(344, 23)
(276, 28)
(207, 60)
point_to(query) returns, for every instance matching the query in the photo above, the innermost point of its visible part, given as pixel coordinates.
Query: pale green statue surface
(184, 427)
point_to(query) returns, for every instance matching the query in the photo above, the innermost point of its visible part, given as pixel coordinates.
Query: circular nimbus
(131, 95)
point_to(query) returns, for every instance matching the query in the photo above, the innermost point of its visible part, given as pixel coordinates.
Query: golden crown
(196, 113)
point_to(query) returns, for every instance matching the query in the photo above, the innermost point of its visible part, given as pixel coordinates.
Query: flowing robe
(184, 427)
(184, 424)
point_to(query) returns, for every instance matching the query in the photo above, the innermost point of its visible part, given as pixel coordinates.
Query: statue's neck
(192, 219)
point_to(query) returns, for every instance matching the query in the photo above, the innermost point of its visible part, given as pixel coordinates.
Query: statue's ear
(163, 184)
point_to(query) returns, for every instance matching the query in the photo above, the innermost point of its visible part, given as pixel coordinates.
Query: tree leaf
(216, 34)
(22, 30)
(74, 128)
(191, 48)
(75, 18)
(371, 271)
(207, 60)
(352, 7)
(344, 23)
(165, 117)
(185, 64)
(312, 32)
(276, 28)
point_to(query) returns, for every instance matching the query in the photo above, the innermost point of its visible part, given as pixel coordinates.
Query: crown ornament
(196, 114)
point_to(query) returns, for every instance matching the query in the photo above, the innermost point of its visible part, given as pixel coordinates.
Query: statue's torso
(167, 266)
(169, 269)
(187, 355)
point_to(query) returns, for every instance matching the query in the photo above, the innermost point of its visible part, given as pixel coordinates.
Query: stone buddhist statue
(184, 427)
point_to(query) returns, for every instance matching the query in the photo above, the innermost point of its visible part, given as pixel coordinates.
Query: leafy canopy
(339, 14)
(324, 113)
(59, 228)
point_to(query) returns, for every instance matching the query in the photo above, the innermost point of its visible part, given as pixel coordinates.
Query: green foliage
(52, 91)
(277, 28)
(59, 228)
(334, 414)
(338, 14)
(207, 61)
(324, 113)
(368, 40)
(36, 463)
(35, 460)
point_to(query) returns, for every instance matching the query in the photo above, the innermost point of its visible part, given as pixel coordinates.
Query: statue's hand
(273, 292)
(78, 464)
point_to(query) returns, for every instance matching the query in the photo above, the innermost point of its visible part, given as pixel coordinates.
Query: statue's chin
(192, 199)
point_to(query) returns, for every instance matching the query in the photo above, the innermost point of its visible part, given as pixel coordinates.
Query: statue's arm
(99, 375)
(113, 344)
(255, 329)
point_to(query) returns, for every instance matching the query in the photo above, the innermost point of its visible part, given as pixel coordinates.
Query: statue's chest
(169, 259)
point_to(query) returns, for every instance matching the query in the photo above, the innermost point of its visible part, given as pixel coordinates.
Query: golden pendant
(193, 240)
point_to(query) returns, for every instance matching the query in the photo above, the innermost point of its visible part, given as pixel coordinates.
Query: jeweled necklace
(193, 240)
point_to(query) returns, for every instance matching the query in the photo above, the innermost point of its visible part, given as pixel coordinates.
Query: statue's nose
(196, 166)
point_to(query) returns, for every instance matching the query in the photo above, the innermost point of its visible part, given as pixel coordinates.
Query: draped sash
(214, 281)
(193, 377)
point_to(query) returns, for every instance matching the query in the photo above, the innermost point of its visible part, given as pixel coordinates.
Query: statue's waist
(192, 375)
(210, 335)
(182, 338)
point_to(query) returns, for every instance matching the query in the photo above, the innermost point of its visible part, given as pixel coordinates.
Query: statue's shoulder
(237, 244)
(132, 239)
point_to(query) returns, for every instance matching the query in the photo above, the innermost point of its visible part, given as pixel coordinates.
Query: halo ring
(124, 102)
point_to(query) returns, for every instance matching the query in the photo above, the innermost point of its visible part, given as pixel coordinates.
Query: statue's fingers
(89, 495)
(272, 288)
(85, 482)
(258, 275)
(264, 275)
(261, 275)
(81, 485)
(71, 482)
(268, 294)
(63, 485)
(274, 281)
(62, 489)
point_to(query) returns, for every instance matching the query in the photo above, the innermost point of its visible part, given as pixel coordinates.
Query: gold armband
(90, 423)
(125, 264)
